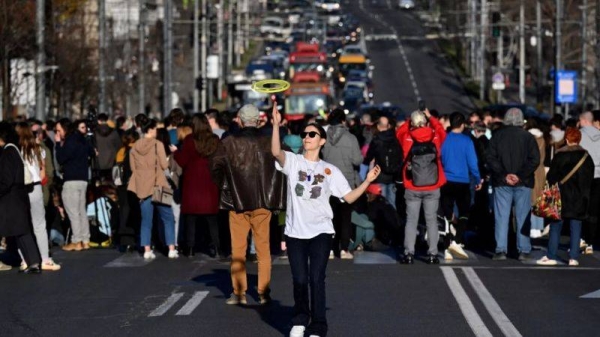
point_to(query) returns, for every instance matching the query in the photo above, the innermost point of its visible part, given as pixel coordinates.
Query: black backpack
(422, 166)
(389, 157)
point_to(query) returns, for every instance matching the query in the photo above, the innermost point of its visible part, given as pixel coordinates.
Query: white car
(328, 5)
(406, 4)
(273, 25)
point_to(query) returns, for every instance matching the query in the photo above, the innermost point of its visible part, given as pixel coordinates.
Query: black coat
(15, 219)
(379, 145)
(513, 150)
(575, 193)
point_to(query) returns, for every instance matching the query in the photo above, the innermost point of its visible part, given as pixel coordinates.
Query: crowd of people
(250, 184)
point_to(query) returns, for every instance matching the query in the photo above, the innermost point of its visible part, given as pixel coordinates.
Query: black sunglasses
(311, 134)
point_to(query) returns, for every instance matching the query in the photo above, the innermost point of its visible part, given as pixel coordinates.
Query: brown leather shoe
(73, 247)
(85, 245)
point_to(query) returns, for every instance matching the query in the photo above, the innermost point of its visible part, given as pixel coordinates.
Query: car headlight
(324, 6)
(336, 6)
(342, 79)
(346, 111)
(342, 103)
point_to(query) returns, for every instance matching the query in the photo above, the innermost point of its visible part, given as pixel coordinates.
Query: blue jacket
(73, 157)
(459, 158)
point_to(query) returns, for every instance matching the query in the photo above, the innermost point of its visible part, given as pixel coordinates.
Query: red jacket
(200, 194)
(434, 132)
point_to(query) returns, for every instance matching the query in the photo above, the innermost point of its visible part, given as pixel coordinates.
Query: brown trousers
(240, 224)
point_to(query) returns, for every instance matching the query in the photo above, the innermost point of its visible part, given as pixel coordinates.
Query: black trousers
(342, 223)
(191, 220)
(29, 249)
(590, 226)
(459, 193)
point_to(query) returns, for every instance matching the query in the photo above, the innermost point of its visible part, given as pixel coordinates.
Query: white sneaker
(457, 250)
(535, 233)
(345, 255)
(331, 255)
(149, 255)
(297, 331)
(589, 250)
(573, 263)
(545, 261)
(447, 255)
(582, 244)
(173, 254)
(546, 231)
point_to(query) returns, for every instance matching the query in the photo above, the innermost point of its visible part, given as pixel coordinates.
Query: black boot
(408, 259)
(432, 259)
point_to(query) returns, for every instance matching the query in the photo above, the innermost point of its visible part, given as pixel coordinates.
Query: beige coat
(147, 169)
(540, 172)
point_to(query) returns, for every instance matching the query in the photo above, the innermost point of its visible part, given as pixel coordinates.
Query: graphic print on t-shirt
(315, 189)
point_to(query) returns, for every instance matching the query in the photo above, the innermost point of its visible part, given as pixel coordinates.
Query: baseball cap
(374, 189)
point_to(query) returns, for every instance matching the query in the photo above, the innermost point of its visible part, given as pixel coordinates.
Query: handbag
(27, 178)
(161, 195)
(549, 204)
(117, 175)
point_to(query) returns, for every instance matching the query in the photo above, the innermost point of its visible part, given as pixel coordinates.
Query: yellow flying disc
(270, 86)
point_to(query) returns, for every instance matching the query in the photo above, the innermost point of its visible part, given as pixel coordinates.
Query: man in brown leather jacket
(244, 169)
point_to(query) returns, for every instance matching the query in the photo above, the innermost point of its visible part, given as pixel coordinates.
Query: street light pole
(40, 90)
(168, 57)
(484, 11)
(522, 52)
(203, 53)
(196, 56)
(540, 74)
(102, 47)
(584, 9)
(558, 42)
(238, 33)
(220, 49)
(142, 58)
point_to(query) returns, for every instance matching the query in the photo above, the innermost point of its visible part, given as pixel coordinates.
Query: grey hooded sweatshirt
(590, 141)
(343, 151)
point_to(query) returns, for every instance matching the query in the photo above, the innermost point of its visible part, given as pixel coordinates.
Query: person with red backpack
(421, 142)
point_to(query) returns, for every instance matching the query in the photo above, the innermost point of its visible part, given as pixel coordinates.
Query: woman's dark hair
(120, 122)
(336, 117)
(8, 133)
(322, 132)
(205, 140)
(150, 124)
(176, 117)
(129, 137)
(162, 135)
(140, 120)
(67, 125)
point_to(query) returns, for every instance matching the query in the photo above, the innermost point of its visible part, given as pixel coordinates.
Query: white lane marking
(490, 304)
(593, 294)
(464, 303)
(166, 305)
(189, 307)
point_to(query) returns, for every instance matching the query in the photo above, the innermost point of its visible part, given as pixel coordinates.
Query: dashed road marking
(193, 302)
(167, 304)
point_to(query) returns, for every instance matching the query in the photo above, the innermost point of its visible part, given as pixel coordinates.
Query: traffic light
(495, 24)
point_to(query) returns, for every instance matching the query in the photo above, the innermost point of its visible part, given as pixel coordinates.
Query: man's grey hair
(514, 116)
(587, 116)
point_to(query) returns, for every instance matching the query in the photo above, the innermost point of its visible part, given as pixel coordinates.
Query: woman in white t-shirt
(308, 225)
(34, 158)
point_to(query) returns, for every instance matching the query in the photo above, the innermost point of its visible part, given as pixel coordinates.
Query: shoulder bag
(161, 195)
(549, 205)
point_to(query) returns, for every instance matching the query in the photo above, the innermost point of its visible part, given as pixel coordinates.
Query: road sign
(498, 81)
(566, 86)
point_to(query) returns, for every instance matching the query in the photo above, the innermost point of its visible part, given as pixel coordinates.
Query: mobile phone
(422, 105)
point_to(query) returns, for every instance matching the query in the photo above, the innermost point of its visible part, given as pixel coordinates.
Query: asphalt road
(409, 67)
(106, 293)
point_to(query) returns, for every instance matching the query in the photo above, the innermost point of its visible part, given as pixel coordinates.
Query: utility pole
(238, 33)
(40, 83)
(558, 42)
(203, 53)
(220, 49)
(597, 52)
(473, 15)
(484, 11)
(540, 73)
(522, 53)
(168, 56)
(142, 57)
(230, 37)
(196, 57)
(101, 52)
(500, 53)
(584, 9)
(247, 26)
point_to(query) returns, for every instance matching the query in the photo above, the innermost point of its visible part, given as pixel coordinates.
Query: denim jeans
(300, 252)
(388, 191)
(168, 221)
(504, 198)
(553, 241)
(537, 222)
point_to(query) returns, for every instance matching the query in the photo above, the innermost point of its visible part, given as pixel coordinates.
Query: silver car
(406, 4)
